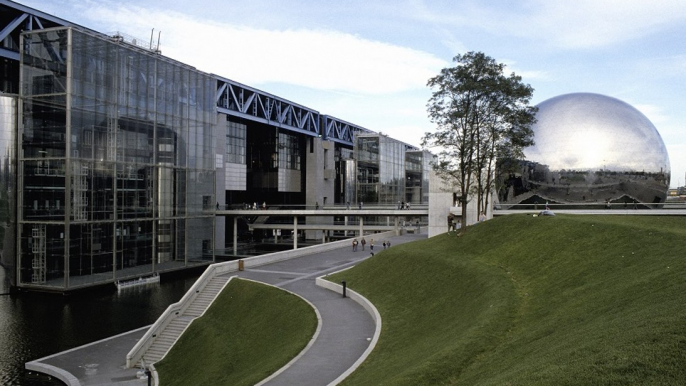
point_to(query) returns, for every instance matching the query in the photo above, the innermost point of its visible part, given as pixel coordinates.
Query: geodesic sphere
(592, 149)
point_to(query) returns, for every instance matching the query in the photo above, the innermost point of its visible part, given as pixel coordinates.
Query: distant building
(390, 172)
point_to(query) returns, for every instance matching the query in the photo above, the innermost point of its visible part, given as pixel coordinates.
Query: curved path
(346, 329)
(344, 336)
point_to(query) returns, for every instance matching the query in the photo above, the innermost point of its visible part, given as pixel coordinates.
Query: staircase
(166, 338)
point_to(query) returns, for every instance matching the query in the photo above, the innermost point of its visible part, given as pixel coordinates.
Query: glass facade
(8, 173)
(380, 169)
(417, 167)
(116, 161)
(345, 175)
(235, 143)
(289, 152)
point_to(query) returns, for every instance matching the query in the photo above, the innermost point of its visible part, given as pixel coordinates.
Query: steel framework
(232, 98)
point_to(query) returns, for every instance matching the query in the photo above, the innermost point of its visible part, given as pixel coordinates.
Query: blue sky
(367, 62)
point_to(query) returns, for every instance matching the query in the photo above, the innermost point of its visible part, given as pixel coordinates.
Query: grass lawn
(249, 332)
(518, 300)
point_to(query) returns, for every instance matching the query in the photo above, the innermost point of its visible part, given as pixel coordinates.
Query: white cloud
(655, 114)
(527, 75)
(664, 66)
(565, 24)
(319, 59)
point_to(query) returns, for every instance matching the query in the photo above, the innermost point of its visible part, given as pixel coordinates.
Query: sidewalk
(346, 328)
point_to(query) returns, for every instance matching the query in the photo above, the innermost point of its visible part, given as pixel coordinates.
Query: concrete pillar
(397, 230)
(295, 232)
(361, 226)
(323, 236)
(235, 235)
(345, 219)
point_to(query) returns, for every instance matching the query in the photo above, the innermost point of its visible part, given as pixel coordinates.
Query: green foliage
(248, 333)
(564, 300)
(481, 115)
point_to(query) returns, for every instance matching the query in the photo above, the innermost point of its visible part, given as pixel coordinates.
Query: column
(295, 232)
(235, 235)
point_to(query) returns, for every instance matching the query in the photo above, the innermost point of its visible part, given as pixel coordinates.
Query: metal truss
(232, 98)
(246, 102)
(340, 131)
(21, 18)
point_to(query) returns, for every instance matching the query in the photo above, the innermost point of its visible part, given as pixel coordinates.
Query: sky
(368, 62)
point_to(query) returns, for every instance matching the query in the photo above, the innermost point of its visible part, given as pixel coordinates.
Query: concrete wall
(320, 180)
(441, 205)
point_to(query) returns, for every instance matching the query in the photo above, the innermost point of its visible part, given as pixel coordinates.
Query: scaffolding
(39, 251)
(79, 190)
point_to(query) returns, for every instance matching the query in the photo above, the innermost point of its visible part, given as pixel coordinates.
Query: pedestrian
(402, 205)
(347, 205)
(417, 226)
(371, 244)
(264, 205)
(399, 207)
(384, 245)
(408, 206)
(254, 206)
(354, 245)
(388, 243)
(359, 205)
(482, 216)
(217, 206)
(363, 242)
(316, 205)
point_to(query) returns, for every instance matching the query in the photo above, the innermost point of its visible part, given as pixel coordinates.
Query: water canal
(34, 325)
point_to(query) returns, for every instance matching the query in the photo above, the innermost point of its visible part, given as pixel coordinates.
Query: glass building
(390, 171)
(116, 174)
(417, 168)
(116, 159)
(8, 173)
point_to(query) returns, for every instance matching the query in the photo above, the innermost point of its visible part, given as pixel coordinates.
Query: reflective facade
(8, 174)
(116, 162)
(417, 168)
(390, 171)
(590, 150)
(115, 158)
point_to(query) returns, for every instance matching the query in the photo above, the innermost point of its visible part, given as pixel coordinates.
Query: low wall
(367, 305)
(217, 269)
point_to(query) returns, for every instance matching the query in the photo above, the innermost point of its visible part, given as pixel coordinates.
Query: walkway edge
(367, 305)
(68, 378)
(63, 375)
(309, 345)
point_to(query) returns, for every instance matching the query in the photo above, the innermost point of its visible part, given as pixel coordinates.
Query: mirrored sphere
(590, 150)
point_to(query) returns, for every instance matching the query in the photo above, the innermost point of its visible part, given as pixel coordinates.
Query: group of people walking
(363, 242)
(403, 205)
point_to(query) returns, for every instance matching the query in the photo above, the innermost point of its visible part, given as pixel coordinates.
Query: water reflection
(36, 325)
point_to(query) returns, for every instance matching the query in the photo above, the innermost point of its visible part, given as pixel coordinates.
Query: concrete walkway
(344, 335)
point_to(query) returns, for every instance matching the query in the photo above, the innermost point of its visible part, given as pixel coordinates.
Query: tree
(481, 116)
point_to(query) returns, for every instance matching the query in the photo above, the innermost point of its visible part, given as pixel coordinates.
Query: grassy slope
(249, 332)
(562, 300)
